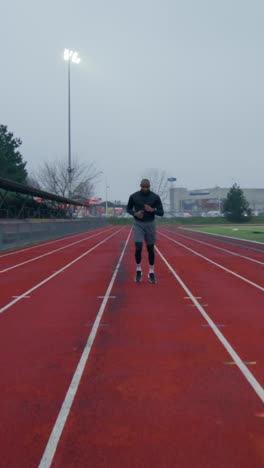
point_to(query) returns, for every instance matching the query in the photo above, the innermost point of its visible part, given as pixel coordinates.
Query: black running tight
(138, 252)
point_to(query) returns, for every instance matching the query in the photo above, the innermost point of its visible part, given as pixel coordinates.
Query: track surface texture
(98, 371)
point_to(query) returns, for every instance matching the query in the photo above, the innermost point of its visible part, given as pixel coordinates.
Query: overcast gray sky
(167, 84)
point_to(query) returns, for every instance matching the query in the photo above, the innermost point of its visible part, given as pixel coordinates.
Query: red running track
(159, 388)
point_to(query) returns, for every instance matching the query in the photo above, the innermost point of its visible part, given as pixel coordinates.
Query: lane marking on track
(52, 252)
(21, 297)
(196, 297)
(102, 297)
(248, 363)
(229, 237)
(54, 438)
(218, 325)
(193, 305)
(218, 248)
(10, 304)
(90, 324)
(235, 357)
(42, 244)
(216, 264)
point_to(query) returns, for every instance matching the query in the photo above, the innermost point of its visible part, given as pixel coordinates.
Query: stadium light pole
(70, 56)
(171, 180)
(106, 197)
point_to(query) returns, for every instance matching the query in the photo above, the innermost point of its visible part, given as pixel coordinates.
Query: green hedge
(186, 221)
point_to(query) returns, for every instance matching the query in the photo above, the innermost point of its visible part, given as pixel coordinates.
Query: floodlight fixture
(71, 56)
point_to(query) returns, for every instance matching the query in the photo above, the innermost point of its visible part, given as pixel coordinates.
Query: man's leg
(150, 237)
(138, 239)
(151, 256)
(138, 256)
(138, 252)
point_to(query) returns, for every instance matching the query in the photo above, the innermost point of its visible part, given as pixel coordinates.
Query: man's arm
(158, 207)
(131, 211)
(130, 206)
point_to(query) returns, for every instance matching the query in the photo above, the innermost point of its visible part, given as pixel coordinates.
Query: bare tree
(158, 181)
(54, 177)
(84, 190)
(31, 181)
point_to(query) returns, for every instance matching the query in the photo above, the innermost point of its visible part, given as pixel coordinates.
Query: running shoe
(138, 278)
(152, 278)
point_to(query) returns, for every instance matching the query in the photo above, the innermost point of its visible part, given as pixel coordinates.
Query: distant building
(205, 200)
(113, 209)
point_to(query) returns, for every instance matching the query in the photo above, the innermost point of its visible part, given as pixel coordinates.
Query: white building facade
(211, 199)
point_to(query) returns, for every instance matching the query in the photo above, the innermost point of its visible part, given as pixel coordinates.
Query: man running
(144, 205)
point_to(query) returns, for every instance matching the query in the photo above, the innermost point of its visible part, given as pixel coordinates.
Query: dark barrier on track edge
(15, 233)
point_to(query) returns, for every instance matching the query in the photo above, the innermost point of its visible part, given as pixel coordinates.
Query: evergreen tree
(12, 165)
(236, 205)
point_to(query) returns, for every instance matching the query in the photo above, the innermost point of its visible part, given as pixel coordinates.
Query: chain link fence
(19, 233)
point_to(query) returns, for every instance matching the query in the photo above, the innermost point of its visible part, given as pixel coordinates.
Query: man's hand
(148, 208)
(139, 214)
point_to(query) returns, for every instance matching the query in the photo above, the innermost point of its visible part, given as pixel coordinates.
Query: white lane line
(21, 297)
(218, 248)
(193, 305)
(216, 264)
(53, 251)
(110, 297)
(233, 363)
(10, 304)
(235, 357)
(43, 244)
(101, 324)
(226, 237)
(54, 438)
(206, 325)
(196, 297)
